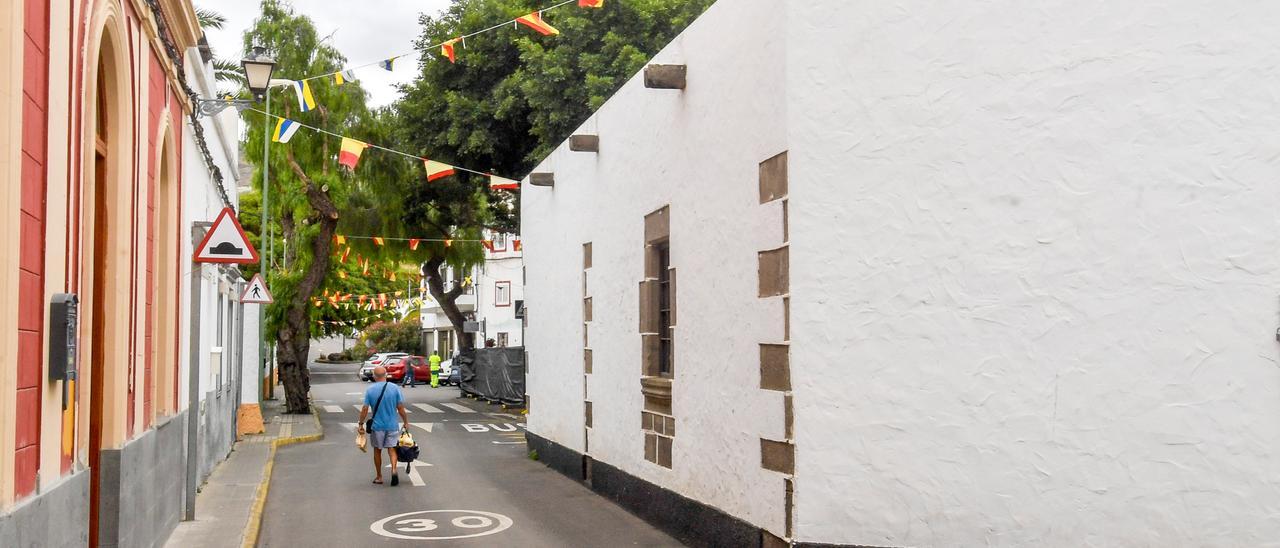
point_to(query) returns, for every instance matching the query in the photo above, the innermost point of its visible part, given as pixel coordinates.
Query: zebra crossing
(448, 408)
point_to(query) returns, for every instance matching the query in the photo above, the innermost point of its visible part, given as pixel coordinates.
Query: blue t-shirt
(387, 418)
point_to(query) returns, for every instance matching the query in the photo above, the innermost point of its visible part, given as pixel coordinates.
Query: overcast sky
(363, 30)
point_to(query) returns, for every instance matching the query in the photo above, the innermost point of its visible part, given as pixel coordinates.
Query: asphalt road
(480, 488)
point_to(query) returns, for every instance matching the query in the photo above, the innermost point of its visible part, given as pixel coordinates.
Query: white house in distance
(910, 274)
(494, 296)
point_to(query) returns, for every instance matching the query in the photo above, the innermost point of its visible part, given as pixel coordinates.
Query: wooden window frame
(510, 300)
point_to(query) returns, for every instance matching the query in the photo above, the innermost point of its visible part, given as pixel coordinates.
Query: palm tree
(224, 70)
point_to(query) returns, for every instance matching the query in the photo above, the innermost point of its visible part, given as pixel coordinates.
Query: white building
(1030, 298)
(227, 337)
(493, 297)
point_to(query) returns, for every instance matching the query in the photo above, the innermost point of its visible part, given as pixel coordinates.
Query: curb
(254, 527)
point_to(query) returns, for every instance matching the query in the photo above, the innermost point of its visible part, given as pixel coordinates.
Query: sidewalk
(229, 505)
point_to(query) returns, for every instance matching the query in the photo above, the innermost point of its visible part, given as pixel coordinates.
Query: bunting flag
(285, 128)
(345, 253)
(362, 298)
(591, 3)
(342, 274)
(365, 266)
(413, 244)
(437, 170)
(488, 244)
(448, 243)
(306, 101)
(377, 240)
(318, 303)
(388, 64)
(343, 77)
(502, 183)
(351, 151)
(516, 245)
(391, 276)
(342, 240)
(446, 49)
(535, 22)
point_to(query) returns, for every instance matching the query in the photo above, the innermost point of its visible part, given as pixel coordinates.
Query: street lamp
(257, 70)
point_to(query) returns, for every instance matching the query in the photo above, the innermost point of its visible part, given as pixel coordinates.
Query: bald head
(380, 373)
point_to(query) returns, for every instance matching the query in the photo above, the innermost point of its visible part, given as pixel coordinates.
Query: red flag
(488, 244)
(591, 3)
(350, 154)
(413, 244)
(437, 170)
(377, 240)
(345, 252)
(516, 245)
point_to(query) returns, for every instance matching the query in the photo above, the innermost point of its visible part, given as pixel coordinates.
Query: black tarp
(493, 374)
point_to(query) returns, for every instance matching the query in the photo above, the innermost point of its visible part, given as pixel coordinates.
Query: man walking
(386, 401)
(435, 369)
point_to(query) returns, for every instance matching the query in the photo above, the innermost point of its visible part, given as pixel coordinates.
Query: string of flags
(351, 150)
(532, 20)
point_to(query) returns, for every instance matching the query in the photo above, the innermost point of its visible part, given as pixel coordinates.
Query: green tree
(308, 191)
(512, 96)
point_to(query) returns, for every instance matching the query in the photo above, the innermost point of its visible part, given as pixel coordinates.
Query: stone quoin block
(665, 76)
(775, 275)
(775, 367)
(542, 179)
(773, 178)
(584, 143)
(778, 456)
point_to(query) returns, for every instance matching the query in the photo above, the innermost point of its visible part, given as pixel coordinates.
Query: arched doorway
(104, 244)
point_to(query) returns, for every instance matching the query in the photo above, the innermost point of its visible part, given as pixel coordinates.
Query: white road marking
(333, 408)
(475, 522)
(425, 426)
(458, 408)
(428, 408)
(358, 407)
(508, 443)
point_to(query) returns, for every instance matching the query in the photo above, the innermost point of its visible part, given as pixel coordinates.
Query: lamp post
(257, 72)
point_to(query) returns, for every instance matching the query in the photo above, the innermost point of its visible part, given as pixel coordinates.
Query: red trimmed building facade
(93, 107)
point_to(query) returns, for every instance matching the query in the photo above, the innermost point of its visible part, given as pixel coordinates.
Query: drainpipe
(198, 230)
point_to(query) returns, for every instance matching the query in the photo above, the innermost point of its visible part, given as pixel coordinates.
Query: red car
(421, 369)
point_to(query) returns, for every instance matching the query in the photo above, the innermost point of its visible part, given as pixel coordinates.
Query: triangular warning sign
(256, 292)
(226, 242)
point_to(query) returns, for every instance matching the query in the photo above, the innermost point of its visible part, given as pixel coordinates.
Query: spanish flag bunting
(382, 299)
(342, 274)
(437, 170)
(345, 253)
(388, 64)
(318, 303)
(516, 245)
(413, 244)
(446, 49)
(591, 3)
(392, 276)
(501, 183)
(362, 298)
(400, 293)
(488, 244)
(306, 101)
(285, 128)
(351, 151)
(448, 243)
(342, 240)
(377, 240)
(535, 22)
(365, 267)
(344, 77)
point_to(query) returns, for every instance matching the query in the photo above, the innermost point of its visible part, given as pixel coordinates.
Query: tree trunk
(294, 336)
(448, 302)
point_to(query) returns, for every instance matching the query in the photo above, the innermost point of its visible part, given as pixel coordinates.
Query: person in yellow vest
(435, 368)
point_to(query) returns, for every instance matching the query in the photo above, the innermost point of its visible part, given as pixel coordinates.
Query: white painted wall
(697, 150)
(1034, 272)
(504, 264)
(201, 202)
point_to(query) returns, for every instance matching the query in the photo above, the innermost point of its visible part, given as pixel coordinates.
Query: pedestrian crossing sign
(226, 242)
(256, 292)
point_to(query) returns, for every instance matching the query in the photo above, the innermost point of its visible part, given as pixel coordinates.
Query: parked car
(366, 369)
(421, 369)
(454, 378)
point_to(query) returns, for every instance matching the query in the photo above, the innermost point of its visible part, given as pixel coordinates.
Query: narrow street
(475, 484)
